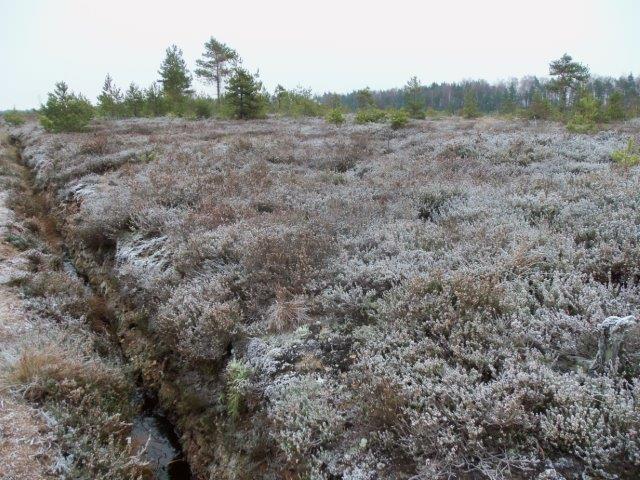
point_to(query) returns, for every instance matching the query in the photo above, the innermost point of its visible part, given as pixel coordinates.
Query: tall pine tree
(243, 94)
(413, 98)
(216, 64)
(567, 76)
(110, 99)
(174, 76)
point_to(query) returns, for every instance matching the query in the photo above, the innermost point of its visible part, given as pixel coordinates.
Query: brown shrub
(383, 403)
(346, 153)
(240, 145)
(98, 144)
(285, 261)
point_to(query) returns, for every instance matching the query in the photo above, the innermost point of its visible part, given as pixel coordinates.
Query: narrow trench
(151, 426)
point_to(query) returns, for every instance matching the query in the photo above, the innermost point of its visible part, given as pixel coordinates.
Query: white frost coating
(612, 334)
(461, 259)
(142, 255)
(616, 324)
(6, 215)
(80, 191)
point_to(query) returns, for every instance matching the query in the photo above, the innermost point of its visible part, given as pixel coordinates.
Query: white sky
(325, 45)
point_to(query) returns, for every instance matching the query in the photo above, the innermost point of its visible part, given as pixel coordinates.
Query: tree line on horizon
(571, 95)
(500, 97)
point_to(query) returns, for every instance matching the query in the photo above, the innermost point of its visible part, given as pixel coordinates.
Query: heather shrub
(306, 417)
(344, 154)
(65, 111)
(98, 144)
(103, 221)
(285, 259)
(199, 320)
(461, 150)
(433, 203)
(354, 303)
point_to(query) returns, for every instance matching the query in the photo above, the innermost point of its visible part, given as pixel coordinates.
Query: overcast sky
(326, 45)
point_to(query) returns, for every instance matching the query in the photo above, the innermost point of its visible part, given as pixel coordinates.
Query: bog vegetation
(380, 285)
(313, 301)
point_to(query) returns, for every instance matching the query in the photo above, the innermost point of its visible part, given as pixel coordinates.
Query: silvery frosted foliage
(422, 303)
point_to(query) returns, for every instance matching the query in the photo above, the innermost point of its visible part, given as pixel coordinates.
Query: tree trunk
(218, 80)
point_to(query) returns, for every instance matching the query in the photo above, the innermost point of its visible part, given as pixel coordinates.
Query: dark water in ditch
(163, 451)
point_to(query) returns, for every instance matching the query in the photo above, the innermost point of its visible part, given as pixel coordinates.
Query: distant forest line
(495, 97)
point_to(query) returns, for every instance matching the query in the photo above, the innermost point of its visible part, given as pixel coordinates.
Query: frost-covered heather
(402, 304)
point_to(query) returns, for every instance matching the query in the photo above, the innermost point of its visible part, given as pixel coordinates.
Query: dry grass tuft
(287, 312)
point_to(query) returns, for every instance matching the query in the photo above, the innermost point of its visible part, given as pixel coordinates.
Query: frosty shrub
(199, 321)
(284, 260)
(97, 145)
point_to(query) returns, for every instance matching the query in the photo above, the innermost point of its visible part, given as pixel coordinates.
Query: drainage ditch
(152, 426)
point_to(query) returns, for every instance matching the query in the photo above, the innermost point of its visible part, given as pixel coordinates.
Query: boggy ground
(352, 302)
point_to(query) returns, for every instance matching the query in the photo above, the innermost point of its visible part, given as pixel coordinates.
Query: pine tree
(615, 107)
(110, 100)
(587, 113)
(134, 101)
(470, 106)
(540, 108)
(332, 100)
(364, 98)
(413, 99)
(65, 111)
(154, 103)
(216, 64)
(280, 95)
(174, 76)
(243, 94)
(568, 75)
